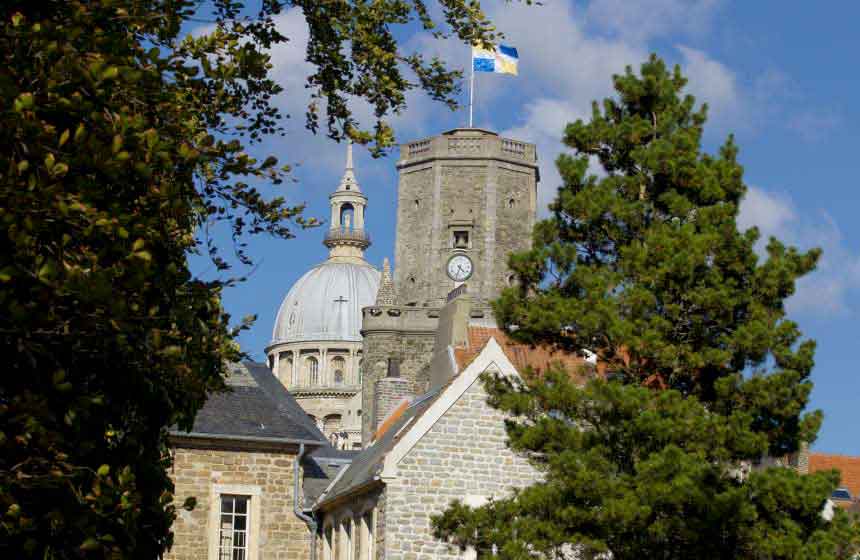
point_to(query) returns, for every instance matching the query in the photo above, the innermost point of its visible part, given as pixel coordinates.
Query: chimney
(390, 392)
(453, 331)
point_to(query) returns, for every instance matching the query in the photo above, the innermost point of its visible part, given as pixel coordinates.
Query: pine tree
(704, 375)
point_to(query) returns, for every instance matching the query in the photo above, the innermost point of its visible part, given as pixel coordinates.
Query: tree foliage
(643, 265)
(122, 139)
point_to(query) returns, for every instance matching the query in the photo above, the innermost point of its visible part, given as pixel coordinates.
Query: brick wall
(463, 456)
(283, 536)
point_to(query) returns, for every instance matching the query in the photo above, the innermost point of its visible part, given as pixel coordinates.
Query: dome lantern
(346, 237)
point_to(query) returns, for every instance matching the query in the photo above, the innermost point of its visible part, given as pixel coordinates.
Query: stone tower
(467, 193)
(466, 199)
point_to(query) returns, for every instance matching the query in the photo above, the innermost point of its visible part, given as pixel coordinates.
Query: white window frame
(254, 494)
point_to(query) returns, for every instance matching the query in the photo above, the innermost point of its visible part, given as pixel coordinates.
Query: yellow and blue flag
(501, 60)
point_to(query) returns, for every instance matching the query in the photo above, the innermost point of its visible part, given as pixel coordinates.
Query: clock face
(459, 268)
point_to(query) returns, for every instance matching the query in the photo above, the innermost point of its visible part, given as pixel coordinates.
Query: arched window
(313, 371)
(346, 215)
(360, 373)
(332, 424)
(338, 365)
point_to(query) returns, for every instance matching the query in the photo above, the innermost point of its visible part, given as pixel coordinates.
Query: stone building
(241, 461)
(446, 444)
(316, 349)
(390, 363)
(466, 199)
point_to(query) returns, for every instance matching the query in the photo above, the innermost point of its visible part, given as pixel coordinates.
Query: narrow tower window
(346, 215)
(313, 371)
(461, 239)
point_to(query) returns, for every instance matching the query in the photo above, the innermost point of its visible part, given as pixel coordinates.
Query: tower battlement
(465, 144)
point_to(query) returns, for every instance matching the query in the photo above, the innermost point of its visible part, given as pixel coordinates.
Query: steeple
(346, 238)
(348, 182)
(385, 295)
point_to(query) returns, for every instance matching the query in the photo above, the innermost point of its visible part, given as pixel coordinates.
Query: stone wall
(463, 180)
(403, 333)
(389, 393)
(463, 456)
(196, 468)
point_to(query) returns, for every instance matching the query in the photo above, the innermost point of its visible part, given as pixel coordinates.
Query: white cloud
(826, 290)
(713, 83)
(773, 213)
(650, 18)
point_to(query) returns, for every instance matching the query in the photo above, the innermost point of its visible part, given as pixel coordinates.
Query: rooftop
(256, 405)
(848, 466)
(538, 359)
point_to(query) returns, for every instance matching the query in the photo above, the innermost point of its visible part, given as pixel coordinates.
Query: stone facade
(469, 192)
(401, 333)
(463, 456)
(465, 192)
(390, 393)
(200, 469)
(325, 378)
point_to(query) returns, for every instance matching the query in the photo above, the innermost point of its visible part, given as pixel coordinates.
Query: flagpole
(471, 89)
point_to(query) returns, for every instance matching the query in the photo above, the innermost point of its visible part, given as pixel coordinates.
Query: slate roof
(255, 405)
(367, 464)
(321, 467)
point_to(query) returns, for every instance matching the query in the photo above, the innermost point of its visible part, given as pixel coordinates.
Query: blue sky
(781, 76)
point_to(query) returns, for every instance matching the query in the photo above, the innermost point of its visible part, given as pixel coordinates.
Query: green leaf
(24, 102)
(110, 73)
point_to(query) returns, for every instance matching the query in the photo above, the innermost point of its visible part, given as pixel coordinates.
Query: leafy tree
(122, 138)
(705, 375)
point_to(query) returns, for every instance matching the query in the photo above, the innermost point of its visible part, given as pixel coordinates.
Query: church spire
(346, 238)
(385, 295)
(349, 182)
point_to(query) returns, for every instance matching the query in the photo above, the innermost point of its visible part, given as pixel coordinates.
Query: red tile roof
(523, 356)
(392, 417)
(849, 468)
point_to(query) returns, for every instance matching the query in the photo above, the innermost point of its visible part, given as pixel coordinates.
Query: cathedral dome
(326, 302)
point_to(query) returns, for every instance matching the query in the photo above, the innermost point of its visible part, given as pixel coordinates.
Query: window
(338, 364)
(332, 424)
(233, 540)
(313, 371)
(234, 522)
(461, 239)
(346, 215)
